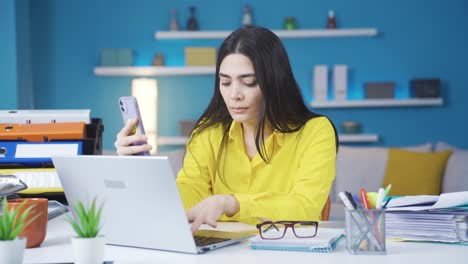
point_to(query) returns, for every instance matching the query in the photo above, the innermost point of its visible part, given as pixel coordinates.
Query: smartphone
(129, 110)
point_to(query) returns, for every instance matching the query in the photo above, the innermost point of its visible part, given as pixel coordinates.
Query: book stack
(425, 218)
(28, 139)
(324, 242)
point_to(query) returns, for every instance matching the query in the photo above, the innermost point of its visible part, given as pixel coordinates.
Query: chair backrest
(326, 210)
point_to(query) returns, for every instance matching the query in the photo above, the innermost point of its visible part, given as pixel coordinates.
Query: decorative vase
(88, 250)
(12, 251)
(36, 231)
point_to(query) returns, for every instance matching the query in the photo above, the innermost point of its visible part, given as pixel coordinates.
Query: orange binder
(43, 132)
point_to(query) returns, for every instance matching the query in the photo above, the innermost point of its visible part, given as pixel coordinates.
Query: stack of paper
(429, 218)
(38, 180)
(55, 209)
(325, 241)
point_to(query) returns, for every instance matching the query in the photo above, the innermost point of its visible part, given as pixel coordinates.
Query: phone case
(43, 132)
(130, 110)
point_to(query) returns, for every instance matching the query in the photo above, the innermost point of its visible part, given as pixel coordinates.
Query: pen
(388, 200)
(346, 201)
(387, 190)
(356, 200)
(380, 197)
(364, 200)
(351, 200)
(361, 220)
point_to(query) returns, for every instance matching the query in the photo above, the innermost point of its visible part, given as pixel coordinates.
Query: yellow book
(200, 56)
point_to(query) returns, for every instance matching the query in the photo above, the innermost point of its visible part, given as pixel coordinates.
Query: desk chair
(326, 210)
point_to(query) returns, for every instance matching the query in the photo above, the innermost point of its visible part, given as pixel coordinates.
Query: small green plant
(13, 222)
(89, 218)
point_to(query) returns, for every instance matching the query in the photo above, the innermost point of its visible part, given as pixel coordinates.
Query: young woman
(257, 152)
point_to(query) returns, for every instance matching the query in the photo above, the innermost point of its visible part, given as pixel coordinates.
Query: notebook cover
(328, 249)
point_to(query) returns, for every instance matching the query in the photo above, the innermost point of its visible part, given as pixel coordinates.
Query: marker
(388, 200)
(364, 199)
(380, 197)
(350, 198)
(346, 201)
(387, 190)
(356, 200)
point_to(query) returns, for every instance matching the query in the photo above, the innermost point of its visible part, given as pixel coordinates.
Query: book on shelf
(425, 218)
(324, 242)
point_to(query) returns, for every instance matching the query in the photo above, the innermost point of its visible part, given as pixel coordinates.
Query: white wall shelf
(172, 141)
(344, 138)
(140, 71)
(358, 138)
(379, 103)
(299, 33)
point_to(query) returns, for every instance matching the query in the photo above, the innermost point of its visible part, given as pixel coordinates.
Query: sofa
(366, 167)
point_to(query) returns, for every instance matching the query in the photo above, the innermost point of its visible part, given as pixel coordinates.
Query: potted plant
(12, 222)
(88, 245)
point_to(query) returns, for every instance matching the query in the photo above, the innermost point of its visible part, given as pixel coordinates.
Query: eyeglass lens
(305, 229)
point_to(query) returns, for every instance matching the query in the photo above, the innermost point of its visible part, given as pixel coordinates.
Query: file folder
(43, 132)
(45, 116)
(36, 152)
(38, 180)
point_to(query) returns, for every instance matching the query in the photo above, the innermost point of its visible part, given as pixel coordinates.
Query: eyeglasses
(277, 230)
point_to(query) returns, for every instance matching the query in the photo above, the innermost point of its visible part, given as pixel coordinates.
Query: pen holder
(365, 231)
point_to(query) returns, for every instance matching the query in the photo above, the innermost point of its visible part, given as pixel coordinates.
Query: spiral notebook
(324, 242)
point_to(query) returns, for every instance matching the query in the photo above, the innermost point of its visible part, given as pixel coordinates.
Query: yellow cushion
(415, 173)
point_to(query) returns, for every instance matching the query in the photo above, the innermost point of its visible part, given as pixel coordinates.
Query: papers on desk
(324, 242)
(428, 202)
(55, 209)
(444, 219)
(38, 180)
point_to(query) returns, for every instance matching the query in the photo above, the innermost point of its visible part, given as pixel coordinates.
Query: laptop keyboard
(201, 241)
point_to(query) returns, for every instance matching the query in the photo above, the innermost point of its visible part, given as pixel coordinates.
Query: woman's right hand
(125, 138)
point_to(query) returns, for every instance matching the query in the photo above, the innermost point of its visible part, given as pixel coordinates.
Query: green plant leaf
(96, 227)
(89, 219)
(12, 221)
(2, 234)
(92, 219)
(19, 226)
(5, 218)
(75, 226)
(83, 218)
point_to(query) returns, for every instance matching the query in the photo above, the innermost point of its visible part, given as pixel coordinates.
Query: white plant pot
(88, 250)
(12, 251)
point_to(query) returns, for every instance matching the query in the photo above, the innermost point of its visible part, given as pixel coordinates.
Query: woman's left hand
(210, 209)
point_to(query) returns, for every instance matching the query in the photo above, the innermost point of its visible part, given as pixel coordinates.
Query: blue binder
(30, 153)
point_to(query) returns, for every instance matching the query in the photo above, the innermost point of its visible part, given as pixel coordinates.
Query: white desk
(57, 248)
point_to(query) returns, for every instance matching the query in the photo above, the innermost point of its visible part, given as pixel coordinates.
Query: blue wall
(24, 68)
(418, 38)
(8, 85)
(15, 68)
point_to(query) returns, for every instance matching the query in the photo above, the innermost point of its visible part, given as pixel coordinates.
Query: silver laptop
(142, 207)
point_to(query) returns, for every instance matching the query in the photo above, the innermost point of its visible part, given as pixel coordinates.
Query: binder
(43, 132)
(45, 116)
(38, 180)
(22, 152)
(92, 144)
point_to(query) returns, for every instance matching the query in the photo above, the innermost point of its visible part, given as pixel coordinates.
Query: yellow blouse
(293, 186)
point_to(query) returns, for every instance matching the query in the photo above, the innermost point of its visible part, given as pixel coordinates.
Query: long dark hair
(283, 106)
